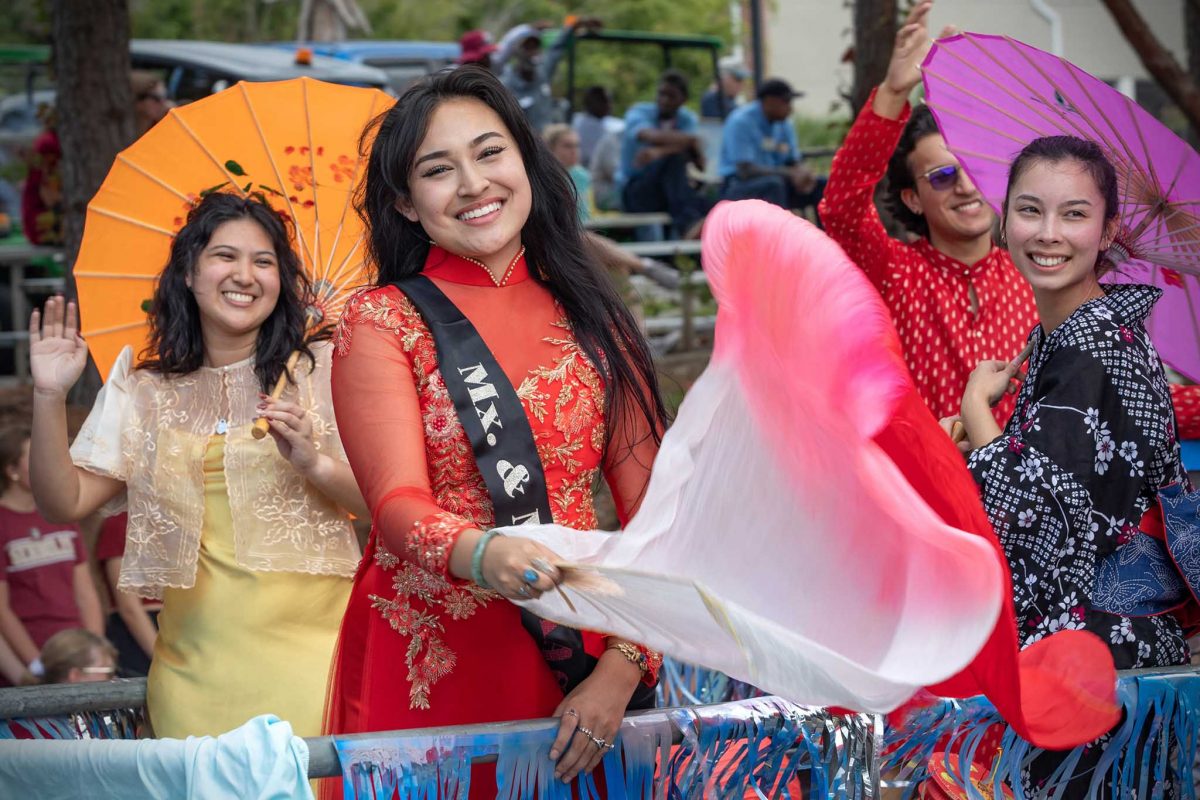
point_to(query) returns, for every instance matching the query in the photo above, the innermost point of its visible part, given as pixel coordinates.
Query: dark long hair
(176, 344)
(1056, 149)
(899, 171)
(553, 237)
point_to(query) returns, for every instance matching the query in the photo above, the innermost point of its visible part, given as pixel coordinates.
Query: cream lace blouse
(151, 432)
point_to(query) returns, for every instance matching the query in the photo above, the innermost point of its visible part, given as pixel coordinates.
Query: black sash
(495, 422)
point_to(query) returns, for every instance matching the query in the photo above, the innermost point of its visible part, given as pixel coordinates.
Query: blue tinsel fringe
(1156, 742)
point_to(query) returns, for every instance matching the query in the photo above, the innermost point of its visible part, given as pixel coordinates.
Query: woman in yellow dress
(247, 541)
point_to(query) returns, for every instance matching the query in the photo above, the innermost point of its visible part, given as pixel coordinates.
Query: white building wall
(806, 38)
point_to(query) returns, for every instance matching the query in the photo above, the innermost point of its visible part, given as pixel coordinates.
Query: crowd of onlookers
(654, 159)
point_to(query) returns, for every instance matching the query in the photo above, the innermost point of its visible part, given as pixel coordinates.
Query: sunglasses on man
(942, 178)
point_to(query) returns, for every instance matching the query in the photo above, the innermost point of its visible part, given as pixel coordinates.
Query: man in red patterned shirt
(955, 297)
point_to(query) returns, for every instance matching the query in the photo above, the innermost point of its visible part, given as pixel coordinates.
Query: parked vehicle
(192, 69)
(403, 61)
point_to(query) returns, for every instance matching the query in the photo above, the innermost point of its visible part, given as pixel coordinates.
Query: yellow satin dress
(241, 643)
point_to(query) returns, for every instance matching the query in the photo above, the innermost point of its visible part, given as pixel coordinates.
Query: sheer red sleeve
(848, 206)
(627, 471)
(379, 417)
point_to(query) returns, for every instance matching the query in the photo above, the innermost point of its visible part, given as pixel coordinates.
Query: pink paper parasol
(992, 95)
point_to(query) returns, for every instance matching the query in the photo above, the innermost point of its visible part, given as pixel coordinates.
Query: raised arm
(848, 209)
(57, 356)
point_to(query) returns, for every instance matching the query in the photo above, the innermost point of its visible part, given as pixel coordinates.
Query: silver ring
(523, 590)
(543, 566)
(572, 712)
(599, 742)
(586, 732)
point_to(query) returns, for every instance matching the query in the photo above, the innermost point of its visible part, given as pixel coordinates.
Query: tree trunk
(1181, 87)
(95, 113)
(875, 28)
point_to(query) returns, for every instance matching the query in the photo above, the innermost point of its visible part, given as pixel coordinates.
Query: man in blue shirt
(658, 143)
(759, 155)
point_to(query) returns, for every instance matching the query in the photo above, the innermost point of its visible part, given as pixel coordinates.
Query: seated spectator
(658, 144)
(760, 158)
(563, 142)
(595, 121)
(733, 75)
(132, 621)
(477, 48)
(78, 656)
(605, 166)
(45, 582)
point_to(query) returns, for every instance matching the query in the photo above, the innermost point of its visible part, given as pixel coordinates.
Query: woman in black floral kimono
(1069, 482)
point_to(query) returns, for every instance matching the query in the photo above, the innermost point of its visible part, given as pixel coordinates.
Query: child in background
(45, 582)
(78, 656)
(563, 142)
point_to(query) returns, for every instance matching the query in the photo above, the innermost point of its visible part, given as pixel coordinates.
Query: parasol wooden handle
(262, 423)
(958, 432)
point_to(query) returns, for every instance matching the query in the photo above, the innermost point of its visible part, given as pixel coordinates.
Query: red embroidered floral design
(432, 538)
(569, 393)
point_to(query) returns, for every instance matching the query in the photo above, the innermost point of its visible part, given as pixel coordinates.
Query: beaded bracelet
(477, 558)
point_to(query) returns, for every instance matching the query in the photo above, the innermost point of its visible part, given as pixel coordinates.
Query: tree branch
(1159, 62)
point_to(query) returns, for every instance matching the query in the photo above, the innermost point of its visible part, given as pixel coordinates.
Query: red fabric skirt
(498, 672)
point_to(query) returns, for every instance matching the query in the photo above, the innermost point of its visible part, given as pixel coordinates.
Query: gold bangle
(633, 653)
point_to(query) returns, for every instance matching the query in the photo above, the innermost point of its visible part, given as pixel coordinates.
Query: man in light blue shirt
(759, 155)
(658, 143)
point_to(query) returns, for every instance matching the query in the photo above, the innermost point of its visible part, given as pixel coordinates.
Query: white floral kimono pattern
(1091, 441)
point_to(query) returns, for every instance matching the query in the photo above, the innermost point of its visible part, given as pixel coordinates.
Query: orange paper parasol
(291, 143)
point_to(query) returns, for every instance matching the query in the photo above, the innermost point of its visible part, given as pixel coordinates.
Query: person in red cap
(477, 48)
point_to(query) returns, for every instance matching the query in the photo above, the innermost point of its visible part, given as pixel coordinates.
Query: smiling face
(1055, 227)
(235, 282)
(468, 187)
(955, 214)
